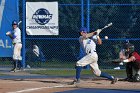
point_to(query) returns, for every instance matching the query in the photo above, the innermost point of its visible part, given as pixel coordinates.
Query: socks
(20, 64)
(15, 63)
(106, 76)
(78, 72)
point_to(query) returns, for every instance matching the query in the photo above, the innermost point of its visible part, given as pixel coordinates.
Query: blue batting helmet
(14, 22)
(83, 29)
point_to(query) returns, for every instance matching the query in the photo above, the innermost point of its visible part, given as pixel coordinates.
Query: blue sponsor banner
(8, 13)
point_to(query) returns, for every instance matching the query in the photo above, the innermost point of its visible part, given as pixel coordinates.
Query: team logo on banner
(42, 16)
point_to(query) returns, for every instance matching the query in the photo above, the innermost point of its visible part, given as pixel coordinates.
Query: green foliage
(125, 19)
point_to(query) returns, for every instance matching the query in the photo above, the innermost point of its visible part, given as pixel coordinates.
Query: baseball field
(48, 38)
(58, 81)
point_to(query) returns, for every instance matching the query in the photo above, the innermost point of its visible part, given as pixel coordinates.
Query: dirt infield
(51, 85)
(24, 82)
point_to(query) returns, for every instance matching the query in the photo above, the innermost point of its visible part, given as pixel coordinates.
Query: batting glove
(8, 33)
(98, 31)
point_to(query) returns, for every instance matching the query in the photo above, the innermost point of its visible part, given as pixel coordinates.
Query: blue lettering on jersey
(89, 41)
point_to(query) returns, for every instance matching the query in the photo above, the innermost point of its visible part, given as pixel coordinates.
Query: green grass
(72, 72)
(2, 74)
(52, 64)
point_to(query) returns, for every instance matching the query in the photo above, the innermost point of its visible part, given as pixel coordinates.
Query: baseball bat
(19, 22)
(100, 30)
(108, 25)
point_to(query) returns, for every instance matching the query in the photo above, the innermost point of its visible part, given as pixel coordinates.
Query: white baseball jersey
(16, 33)
(88, 45)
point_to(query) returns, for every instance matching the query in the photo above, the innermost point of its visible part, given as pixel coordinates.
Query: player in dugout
(132, 59)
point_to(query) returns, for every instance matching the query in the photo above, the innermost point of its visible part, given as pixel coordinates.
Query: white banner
(42, 18)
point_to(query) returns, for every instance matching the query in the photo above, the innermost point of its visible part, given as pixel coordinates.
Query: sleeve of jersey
(137, 56)
(16, 34)
(80, 39)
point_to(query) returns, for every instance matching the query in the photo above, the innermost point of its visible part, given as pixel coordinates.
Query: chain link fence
(62, 51)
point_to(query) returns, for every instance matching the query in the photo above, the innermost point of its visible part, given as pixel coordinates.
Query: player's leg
(136, 68)
(19, 46)
(138, 71)
(78, 73)
(136, 77)
(15, 58)
(15, 62)
(129, 71)
(86, 60)
(95, 69)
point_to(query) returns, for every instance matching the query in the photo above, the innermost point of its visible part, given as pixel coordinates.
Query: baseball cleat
(21, 69)
(75, 82)
(13, 70)
(114, 80)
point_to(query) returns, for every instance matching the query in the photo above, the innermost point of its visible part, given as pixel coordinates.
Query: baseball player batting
(91, 57)
(15, 35)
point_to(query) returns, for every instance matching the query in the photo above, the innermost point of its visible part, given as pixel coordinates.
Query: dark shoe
(13, 70)
(136, 78)
(128, 79)
(114, 80)
(75, 82)
(21, 69)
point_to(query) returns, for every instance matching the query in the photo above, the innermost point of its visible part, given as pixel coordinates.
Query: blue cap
(14, 22)
(83, 29)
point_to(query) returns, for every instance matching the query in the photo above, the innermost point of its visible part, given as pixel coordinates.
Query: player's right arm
(91, 34)
(97, 32)
(99, 40)
(9, 34)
